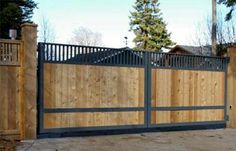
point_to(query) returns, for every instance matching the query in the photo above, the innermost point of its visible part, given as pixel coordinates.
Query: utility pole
(214, 27)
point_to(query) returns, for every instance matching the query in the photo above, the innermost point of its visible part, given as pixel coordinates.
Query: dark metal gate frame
(99, 56)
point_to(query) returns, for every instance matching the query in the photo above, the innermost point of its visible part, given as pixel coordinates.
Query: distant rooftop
(194, 50)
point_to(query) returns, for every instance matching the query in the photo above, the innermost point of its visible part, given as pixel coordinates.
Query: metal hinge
(227, 117)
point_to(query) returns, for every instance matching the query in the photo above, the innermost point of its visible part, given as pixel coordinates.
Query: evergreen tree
(13, 13)
(148, 26)
(231, 4)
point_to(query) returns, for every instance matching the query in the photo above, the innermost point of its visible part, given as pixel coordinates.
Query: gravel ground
(203, 140)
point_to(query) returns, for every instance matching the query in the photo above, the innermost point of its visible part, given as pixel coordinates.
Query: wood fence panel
(187, 88)
(175, 116)
(81, 86)
(85, 86)
(90, 119)
(10, 101)
(177, 88)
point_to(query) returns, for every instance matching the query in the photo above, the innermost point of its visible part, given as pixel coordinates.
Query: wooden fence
(18, 85)
(10, 51)
(10, 87)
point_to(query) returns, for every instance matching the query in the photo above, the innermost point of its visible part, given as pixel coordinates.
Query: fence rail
(10, 52)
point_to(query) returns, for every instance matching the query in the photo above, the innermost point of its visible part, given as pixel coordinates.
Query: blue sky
(110, 18)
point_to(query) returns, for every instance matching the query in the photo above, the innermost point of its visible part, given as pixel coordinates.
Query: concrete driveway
(203, 140)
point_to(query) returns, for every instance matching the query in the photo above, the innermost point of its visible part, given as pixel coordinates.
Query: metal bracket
(227, 117)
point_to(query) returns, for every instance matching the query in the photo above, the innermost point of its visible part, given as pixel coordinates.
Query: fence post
(29, 67)
(147, 89)
(231, 87)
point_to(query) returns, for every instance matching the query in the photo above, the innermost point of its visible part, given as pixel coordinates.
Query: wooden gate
(91, 89)
(188, 90)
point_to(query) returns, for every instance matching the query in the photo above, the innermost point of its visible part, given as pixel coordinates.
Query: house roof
(127, 56)
(194, 50)
(202, 50)
(108, 55)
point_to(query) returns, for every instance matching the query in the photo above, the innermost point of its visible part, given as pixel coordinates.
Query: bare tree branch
(47, 33)
(225, 32)
(84, 36)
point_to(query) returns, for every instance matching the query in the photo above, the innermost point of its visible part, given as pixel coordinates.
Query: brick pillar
(29, 64)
